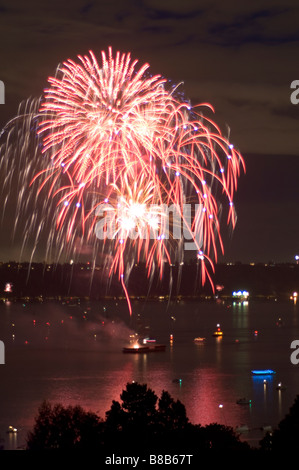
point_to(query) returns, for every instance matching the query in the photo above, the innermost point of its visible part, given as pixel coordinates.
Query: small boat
(218, 332)
(153, 345)
(147, 347)
(136, 349)
(280, 386)
(199, 339)
(243, 401)
(263, 372)
(148, 340)
(12, 429)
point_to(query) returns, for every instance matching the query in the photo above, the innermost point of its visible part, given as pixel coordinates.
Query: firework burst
(114, 134)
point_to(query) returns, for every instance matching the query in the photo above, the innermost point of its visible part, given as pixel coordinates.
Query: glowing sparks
(114, 135)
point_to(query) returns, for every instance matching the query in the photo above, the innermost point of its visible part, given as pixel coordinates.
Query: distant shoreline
(41, 281)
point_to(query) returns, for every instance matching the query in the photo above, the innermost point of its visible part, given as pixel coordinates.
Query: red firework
(113, 132)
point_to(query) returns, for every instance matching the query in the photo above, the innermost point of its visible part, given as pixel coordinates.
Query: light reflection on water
(74, 356)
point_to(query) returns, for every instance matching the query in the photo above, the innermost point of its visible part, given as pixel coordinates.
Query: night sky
(241, 58)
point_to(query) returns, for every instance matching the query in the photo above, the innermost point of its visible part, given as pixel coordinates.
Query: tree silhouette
(133, 422)
(172, 414)
(60, 428)
(140, 422)
(139, 403)
(286, 437)
(220, 438)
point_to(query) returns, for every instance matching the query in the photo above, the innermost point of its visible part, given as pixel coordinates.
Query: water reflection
(81, 362)
(240, 312)
(12, 441)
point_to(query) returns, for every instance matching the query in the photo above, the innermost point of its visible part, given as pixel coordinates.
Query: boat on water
(12, 429)
(243, 401)
(153, 345)
(199, 339)
(218, 331)
(279, 322)
(147, 345)
(136, 349)
(177, 381)
(263, 372)
(148, 340)
(280, 386)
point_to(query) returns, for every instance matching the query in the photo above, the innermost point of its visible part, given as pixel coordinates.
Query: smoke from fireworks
(111, 135)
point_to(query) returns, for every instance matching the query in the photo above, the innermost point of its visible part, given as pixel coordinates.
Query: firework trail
(111, 135)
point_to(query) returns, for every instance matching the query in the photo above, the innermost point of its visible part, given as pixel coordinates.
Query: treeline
(141, 423)
(144, 423)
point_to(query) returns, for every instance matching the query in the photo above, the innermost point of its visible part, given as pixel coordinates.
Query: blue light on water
(263, 372)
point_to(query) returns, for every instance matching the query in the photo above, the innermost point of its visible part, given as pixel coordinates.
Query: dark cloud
(254, 27)
(174, 15)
